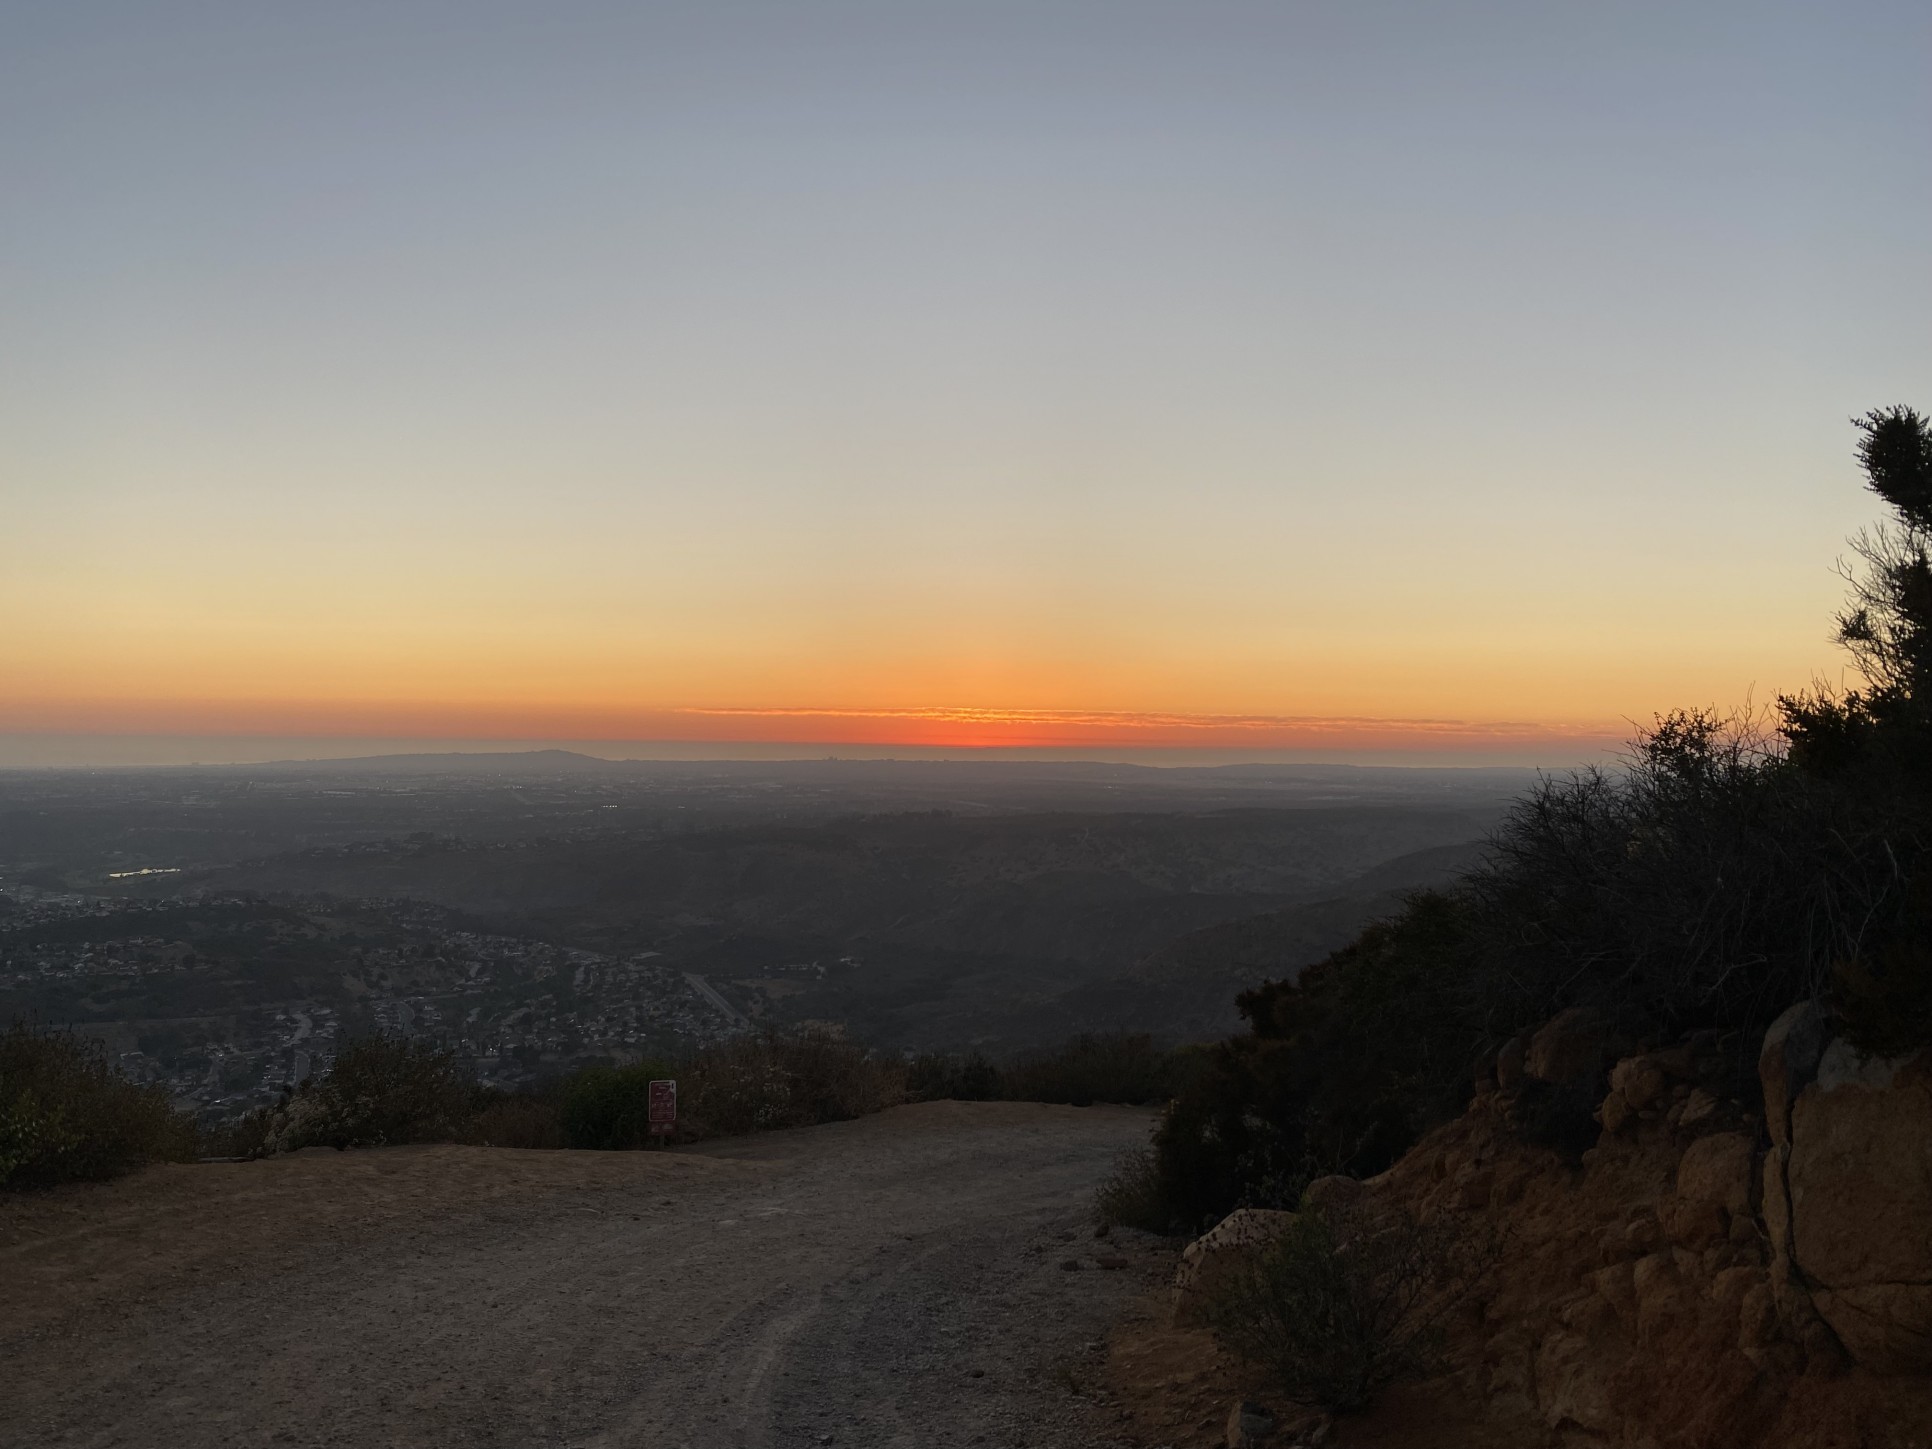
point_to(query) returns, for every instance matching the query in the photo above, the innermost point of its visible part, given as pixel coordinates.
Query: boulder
(1787, 1062)
(1334, 1195)
(1637, 1084)
(1654, 1281)
(1216, 1257)
(1859, 1183)
(1640, 1081)
(1698, 1108)
(1694, 1223)
(1757, 1322)
(1730, 1285)
(1509, 1064)
(1574, 1385)
(1615, 1114)
(1774, 1200)
(1249, 1424)
(1717, 1169)
(1617, 1286)
(1567, 1048)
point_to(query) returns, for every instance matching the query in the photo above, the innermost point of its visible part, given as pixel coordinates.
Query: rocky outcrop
(1569, 1048)
(1724, 1268)
(1848, 1192)
(1213, 1259)
(1333, 1196)
(1787, 1062)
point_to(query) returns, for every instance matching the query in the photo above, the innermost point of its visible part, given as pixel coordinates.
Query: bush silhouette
(1345, 1303)
(1093, 1067)
(1729, 867)
(66, 1115)
(607, 1108)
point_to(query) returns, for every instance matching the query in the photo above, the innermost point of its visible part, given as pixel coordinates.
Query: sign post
(662, 1112)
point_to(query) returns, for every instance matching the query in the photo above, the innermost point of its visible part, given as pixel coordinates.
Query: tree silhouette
(1886, 625)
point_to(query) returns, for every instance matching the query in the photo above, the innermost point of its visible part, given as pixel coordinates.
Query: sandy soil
(899, 1280)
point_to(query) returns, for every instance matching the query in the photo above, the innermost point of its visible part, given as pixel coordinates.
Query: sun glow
(1247, 390)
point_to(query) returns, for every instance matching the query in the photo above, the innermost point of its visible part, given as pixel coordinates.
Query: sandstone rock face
(1640, 1081)
(1787, 1063)
(1217, 1256)
(1717, 1169)
(1569, 1047)
(1573, 1384)
(1331, 1195)
(1666, 1292)
(1509, 1064)
(1857, 1214)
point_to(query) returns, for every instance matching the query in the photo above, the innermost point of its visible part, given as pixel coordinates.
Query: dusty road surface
(899, 1280)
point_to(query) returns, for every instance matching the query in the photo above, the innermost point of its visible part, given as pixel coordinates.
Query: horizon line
(42, 750)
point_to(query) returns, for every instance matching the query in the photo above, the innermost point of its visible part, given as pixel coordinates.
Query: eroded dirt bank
(892, 1281)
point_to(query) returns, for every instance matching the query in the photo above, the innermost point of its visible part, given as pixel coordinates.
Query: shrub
(1705, 887)
(1725, 871)
(936, 1076)
(245, 1137)
(1340, 1072)
(66, 1115)
(1132, 1195)
(514, 1119)
(1093, 1067)
(379, 1090)
(607, 1108)
(784, 1079)
(1346, 1302)
(384, 1090)
(1885, 999)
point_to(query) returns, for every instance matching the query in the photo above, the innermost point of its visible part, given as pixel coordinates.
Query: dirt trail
(892, 1281)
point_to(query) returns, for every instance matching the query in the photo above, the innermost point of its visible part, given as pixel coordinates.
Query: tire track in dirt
(891, 1281)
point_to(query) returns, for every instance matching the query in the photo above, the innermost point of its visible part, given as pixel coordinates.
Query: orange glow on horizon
(968, 728)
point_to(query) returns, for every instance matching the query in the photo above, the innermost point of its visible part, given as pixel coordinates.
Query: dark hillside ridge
(1333, 783)
(456, 762)
(1185, 990)
(1053, 887)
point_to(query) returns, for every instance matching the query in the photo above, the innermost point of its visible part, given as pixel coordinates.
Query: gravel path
(893, 1281)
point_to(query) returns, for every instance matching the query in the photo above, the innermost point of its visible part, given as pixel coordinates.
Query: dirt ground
(1172, 1388)
(899, 1280)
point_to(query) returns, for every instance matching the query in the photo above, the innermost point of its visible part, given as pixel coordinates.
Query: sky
(1294, 380)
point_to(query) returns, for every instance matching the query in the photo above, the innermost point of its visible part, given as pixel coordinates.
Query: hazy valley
(222, 930)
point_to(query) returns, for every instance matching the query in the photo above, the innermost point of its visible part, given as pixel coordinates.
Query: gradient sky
(1247, 376)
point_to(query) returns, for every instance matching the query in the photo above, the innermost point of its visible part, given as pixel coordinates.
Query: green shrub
(385, 1090)
(1339, 1073)
(1346, 1303)
(607, 1108)
(785, 1079)
(514, 1119)
(66, 1115)
(1724, 872)
(245, 1137)
(937, 1076)
(1706, 887)
(1132, 1195)
(1093, 1067)
(379, 1091)
(1884, 996)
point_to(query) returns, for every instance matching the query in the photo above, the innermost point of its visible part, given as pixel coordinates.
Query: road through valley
(896, 1281)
